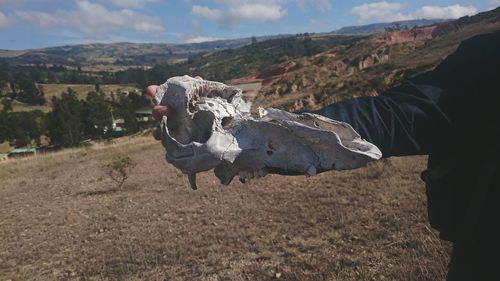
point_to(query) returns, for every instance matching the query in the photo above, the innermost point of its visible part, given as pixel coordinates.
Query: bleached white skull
(211, 127)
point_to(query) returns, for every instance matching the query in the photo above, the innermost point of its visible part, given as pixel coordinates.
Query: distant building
(21, 152)
(144, 114)
(118, 125)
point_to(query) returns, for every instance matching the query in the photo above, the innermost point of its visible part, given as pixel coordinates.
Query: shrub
(118, 169)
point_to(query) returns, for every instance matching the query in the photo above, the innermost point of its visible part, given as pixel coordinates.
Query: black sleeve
(401, 121)
(459, 98)
(470, 80)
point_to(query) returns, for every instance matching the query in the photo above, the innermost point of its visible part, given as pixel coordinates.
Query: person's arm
(404, 120)
(412, 118)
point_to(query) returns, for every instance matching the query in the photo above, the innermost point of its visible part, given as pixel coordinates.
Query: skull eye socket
(226, 122)
(204, 121)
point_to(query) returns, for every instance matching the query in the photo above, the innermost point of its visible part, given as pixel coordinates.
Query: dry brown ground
(61, 218)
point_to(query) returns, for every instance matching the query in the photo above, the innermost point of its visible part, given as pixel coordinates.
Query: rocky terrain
(366, 67)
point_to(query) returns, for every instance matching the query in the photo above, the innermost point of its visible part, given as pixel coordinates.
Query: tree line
(21, 85)
(71, 120)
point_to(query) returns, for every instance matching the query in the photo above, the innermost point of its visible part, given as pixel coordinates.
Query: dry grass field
(82, 90)
(62, 218)
(5, 147)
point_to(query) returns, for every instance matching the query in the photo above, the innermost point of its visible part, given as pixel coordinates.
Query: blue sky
(41, 23)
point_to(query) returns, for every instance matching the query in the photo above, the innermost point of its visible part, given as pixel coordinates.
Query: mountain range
(148, 54)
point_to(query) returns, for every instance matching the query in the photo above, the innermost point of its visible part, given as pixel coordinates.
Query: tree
(21, 137)
(4, 74)
(29, 93)
(98, 119)
(139, 101)
(65, 121)
(36, 126)
(22, 128)
(6, 104)
(4, 120)
(127, 112)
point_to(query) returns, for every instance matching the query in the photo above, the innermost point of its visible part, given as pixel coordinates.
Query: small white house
(21, 152)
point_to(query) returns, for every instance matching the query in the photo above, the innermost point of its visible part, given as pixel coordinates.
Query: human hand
(159, 110)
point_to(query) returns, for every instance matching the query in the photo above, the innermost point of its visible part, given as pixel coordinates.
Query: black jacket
(451, 114)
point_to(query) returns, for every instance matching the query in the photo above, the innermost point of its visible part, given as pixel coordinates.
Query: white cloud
(241, 12)
(4, 20)
(234, 3)
(228, 13)
(130, 3)
(495, 2)
(257, 12)
(208, 13)
(393, 11)
(323, 5)
(93, 19)
(379, 11)
(196, 39)
(449, 12)
(41, 19)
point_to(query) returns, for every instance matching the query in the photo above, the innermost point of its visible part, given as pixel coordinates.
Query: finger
(159, 111)
(151, 90)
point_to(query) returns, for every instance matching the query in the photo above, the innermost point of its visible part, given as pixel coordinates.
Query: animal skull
(211, 127)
